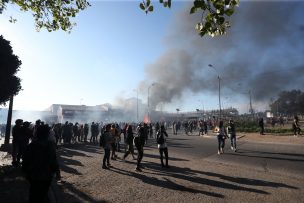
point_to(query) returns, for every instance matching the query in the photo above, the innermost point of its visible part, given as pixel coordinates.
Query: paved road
(196, 175)
(278, 158)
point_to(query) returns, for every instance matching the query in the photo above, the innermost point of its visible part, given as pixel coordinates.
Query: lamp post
(9, 121)
(136, 104)
(149, 101)
(219, 88)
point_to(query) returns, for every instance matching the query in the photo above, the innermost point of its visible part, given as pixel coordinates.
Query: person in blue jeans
(162, 145)
(232, 134)
(106, 141)
(221, 136)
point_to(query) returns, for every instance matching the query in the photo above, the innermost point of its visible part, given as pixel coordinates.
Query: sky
(116, 50)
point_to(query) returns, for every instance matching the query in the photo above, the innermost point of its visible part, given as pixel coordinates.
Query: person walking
(139, 142)
(296, 126)
(129, 142)
(18, 137)
(106, 140)
(232, 134)
(40, 164)
(221, 136)
(261, 124)
(162, 145)
(114, 133)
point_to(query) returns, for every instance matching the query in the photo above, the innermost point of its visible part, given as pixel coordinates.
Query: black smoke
(262, 52)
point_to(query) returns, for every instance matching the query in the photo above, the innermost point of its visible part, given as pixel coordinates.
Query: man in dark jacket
(18, 140)
(139, 142)
(40, 165)
(261, 124)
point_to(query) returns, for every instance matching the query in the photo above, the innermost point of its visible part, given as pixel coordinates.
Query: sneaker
(218, 152)
(234, 149)
(231, 148)
(105, 167)
(138, 169)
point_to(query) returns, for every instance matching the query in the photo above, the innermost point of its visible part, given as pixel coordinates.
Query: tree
(288, 103)
(214, 14)
(9, 66)
(50, 14)
(56, 14)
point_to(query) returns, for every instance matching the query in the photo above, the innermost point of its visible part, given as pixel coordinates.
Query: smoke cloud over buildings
(262, 52)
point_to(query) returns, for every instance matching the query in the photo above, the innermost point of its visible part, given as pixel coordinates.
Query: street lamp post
(219, 88)
(136, 105)
(149, 101)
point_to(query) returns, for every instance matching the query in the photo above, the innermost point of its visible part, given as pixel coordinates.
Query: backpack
(102, 140)
(140, 138)
(160, 138)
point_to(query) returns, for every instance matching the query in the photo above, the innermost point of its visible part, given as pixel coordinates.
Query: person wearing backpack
(106, 140)
(139, 142)
(129, 142)
(162, 145)
(221, 136)
(232, 134)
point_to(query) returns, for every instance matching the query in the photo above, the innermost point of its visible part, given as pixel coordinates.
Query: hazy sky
(115, 48)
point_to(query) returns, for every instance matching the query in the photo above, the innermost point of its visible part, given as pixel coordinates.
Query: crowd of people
(35, 145)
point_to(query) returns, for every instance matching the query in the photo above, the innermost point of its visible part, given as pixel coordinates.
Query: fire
(146, 119)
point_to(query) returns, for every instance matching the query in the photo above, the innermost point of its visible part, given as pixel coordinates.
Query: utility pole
(9, 121)
(149, 102)
(250, 103)
(219, 89)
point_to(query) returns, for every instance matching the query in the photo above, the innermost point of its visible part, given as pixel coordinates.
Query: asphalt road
(277, 158)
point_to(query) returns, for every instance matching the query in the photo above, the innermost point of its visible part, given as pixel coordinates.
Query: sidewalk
(273, 138)
(267, 138)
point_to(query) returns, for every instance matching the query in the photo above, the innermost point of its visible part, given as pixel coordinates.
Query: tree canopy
(50, 14)
(214, 14)
(289, 103)
(57, 14)
(9, 66)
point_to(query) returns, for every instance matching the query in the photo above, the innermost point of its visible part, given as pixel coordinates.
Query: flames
(146, 119)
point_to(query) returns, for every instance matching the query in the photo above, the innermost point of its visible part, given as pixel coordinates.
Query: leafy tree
(214, 14)
(50, 14)
(56, 14)
(9, 66)
(288, 103)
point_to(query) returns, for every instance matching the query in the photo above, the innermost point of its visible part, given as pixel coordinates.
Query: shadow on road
(248, 181)
(13, 186)
(166, 183)
(273, 153)
(66, 192)
(257, 155)
(193, 176)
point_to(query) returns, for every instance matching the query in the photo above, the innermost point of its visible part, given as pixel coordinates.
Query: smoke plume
(262, 52)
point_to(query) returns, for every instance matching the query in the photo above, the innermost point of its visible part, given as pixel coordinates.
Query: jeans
(233, 141)
(221, 142)
(161, 152)
(106, 157)
(140, 151)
